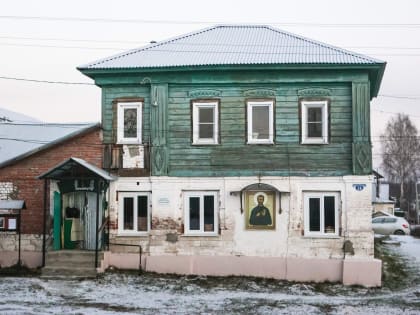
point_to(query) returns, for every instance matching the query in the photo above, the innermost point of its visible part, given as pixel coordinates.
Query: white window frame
(196, 123)
(304, 114)
(200, 194)
(250, 106)
(120, 122)
(321, 195)
(134, 195)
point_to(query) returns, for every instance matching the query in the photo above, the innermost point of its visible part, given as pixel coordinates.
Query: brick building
(18, 180)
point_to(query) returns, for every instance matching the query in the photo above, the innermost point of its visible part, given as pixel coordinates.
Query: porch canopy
(74, 168)
(12, 204)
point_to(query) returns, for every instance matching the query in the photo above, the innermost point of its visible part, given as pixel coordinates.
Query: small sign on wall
(163, 201)
(359, 187)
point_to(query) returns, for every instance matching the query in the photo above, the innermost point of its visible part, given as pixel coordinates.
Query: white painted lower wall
(234, 246)
(31, 249)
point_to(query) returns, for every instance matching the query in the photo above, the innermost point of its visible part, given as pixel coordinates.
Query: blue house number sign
(359, 187)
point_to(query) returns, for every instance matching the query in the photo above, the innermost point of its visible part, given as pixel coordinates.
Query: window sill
(213, 234)
(204, 143)
(267, 142)
(133, 234)
(129, 142)
(314, 142)
(325, 236)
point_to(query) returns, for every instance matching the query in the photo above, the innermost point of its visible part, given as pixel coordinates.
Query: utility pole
(417, 202)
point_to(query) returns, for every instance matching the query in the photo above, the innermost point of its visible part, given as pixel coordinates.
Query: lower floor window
(133, 214)
(201, 212)
(321, 213)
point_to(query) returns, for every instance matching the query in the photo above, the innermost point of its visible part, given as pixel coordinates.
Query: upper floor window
(133, 213)
(129, 122)
(321, 213)
(201, 213)
(205, 123)
(260, 121)
(314, 122)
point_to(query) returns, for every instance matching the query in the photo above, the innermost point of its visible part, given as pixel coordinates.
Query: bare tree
(400, 151)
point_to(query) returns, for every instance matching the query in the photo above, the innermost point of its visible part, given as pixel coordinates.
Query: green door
(57, 221)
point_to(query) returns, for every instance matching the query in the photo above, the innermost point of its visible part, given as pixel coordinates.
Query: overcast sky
(47, 40)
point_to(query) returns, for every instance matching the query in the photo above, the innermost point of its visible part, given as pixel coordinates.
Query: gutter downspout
(45, 224)
(97, 224)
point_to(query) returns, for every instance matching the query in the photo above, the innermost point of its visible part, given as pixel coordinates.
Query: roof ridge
(328, 48)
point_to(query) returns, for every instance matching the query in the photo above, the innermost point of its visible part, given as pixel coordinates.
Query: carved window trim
(121, 106)
(324, 231)
(260, 103)
(304, 106)
(195, 107)
(134, 230)
(202, 229)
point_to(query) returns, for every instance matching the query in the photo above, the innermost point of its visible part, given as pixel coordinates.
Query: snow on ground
(130, 293)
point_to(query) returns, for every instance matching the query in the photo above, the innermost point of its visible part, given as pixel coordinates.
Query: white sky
(27, 50)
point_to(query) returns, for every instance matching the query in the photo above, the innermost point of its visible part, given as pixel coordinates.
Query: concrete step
(70, 259)
(70, 263)
(68, 272)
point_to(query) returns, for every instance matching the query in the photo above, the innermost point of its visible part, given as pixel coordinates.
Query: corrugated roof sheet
(20, 139)
(64, 167)
(12, 204)
(232, 45)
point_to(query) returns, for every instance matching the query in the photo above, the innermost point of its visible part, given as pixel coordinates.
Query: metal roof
(20, 140)
(232, 45)
(72, 166)
(12, 204)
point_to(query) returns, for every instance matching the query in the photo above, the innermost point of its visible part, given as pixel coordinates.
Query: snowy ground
(152, 294)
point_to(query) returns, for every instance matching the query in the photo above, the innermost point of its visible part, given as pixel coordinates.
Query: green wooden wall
(233, 157)
(167, 126)
(111, 93)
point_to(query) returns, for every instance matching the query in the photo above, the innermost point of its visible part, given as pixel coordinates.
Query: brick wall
(23, 174)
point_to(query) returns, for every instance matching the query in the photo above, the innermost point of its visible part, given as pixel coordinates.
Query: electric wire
(92, 84)
(190, 22)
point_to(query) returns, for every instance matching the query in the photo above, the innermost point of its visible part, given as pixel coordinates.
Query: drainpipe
(45, 224)
(20, 236)
(97, 223)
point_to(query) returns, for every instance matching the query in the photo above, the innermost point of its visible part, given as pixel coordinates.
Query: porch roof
(12, 204)
(75, 168)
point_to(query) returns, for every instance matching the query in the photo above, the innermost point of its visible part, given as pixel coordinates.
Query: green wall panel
(233, 157)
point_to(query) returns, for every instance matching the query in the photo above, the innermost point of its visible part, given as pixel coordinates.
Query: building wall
(287, 240)
(283, 253)
(27, 187)
(233, 156)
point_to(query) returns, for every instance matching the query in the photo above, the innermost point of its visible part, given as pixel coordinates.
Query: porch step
(70, 263)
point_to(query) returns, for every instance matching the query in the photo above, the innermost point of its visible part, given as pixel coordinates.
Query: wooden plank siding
(234, 157)
(109, 94)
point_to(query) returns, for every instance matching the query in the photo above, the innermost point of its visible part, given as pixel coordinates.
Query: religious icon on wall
(260, 210)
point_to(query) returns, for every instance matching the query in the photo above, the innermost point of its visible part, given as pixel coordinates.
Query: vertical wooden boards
(158, 129)
(361, 148)
(234, 157)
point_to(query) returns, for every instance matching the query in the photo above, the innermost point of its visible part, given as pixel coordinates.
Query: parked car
(380, 214)
(390, 225)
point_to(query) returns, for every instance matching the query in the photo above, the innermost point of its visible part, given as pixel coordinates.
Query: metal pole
(45, 224)
(417, 204)
(97, 223)
(20, 233)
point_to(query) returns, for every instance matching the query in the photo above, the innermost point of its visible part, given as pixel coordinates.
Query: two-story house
(241, 150)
